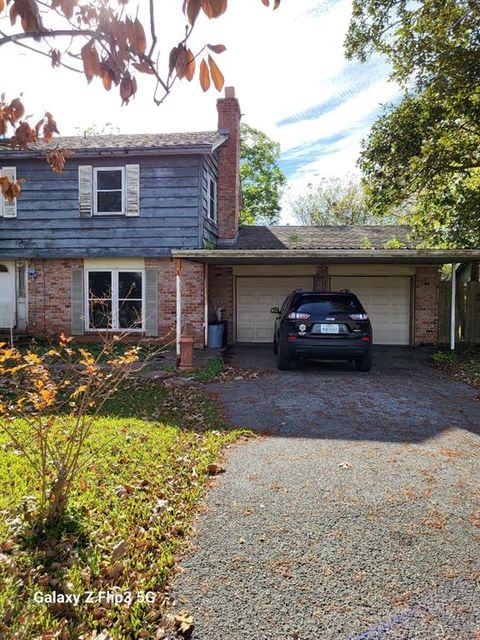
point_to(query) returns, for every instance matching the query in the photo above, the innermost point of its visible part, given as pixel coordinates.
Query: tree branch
(57, 33)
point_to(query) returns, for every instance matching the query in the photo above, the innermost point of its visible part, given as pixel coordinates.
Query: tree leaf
(217, 48)
(190, 70)
(204, 76)
(91, 61)
(140, 38)
(214, 8)
(192, 9)
(217, 75)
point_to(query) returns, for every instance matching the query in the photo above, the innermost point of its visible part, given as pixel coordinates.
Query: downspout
(205, 298)
(178, 298)
(453, 309)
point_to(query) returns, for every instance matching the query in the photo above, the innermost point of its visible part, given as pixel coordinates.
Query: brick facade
(49, 297)
(221, 295)
(193, 309)
(228, 188)
(426, 305)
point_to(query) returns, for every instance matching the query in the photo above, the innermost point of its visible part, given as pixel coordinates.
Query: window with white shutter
(8, 209)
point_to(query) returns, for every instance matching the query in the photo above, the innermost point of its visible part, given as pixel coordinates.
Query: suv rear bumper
(318, 348)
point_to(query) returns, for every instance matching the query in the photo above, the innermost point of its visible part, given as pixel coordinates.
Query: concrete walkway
(355, 518)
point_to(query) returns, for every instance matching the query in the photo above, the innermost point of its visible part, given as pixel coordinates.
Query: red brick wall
(426, 305)
(220, 294)
(49, 297)
(192, 278)
(229, 115)
(321, 281)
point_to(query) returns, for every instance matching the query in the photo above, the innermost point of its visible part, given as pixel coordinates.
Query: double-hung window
(109, 190)
(115, 300)
(212, 199)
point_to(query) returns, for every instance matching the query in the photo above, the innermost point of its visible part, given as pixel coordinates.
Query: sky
(288, 69)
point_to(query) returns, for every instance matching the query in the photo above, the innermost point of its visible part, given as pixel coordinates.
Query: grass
(140, 493)
(210, 371)
(463, 363)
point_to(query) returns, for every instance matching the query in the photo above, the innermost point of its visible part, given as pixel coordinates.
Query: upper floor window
(109, 189)
(212, 199)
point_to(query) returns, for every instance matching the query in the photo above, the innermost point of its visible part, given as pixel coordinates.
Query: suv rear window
(325, 304)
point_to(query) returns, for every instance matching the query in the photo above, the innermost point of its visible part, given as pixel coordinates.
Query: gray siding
(48, 223)
(209, 167)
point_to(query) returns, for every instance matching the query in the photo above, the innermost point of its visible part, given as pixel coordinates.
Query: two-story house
(140, 233)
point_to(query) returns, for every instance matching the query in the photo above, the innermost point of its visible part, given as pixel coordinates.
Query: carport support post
(453, 309)
(205, 297)
(178, 327)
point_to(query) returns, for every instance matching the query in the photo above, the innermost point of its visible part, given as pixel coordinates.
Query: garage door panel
(387, 301)
(256, 296)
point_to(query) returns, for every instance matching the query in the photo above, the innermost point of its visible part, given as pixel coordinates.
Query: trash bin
(225, 333)
(215, 335)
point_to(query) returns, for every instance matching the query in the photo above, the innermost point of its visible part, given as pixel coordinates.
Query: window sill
(212, 222)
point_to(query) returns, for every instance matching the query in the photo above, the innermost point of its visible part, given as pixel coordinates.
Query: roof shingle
(323, 237)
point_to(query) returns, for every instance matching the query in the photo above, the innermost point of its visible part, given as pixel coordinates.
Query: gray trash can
(215, 335)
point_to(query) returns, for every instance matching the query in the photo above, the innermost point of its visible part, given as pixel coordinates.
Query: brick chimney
(229, 166)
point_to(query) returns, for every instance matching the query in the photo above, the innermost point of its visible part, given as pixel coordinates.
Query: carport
(398, 287)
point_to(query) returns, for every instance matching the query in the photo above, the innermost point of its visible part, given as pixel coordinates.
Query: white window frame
(96, 212)
(211, 181)
(115, 306)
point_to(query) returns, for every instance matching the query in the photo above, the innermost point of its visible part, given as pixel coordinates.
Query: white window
(109, 191)
(115, 299)
(212, 199)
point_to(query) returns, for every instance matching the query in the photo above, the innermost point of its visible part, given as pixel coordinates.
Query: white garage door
(386, 300)
(256, 296)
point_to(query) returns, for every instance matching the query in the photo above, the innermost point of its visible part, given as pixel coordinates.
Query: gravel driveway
(356, 518)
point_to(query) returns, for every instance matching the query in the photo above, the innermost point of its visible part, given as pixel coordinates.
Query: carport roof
(334, 244)
(332, 256)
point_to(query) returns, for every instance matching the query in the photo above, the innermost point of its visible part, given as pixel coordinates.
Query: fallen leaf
(184, 622)
(214, 469)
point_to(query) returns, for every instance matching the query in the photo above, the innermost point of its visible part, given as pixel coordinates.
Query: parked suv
(322, 325)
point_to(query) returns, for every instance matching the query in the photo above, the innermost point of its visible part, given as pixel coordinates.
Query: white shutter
(132, 172)
(77, 306)
(150, 303)
(85, 190)
(9, 210)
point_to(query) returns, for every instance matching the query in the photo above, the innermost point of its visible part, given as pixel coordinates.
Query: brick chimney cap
(229, 92)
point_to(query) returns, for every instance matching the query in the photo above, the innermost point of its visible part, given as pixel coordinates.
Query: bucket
(215, 335)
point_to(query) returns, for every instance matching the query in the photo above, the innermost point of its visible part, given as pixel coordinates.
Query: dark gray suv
(314, 325)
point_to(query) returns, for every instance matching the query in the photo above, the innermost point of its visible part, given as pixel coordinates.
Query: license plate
(329, 328)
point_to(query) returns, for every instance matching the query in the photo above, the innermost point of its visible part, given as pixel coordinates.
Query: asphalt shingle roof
(323, 237)
(129, 141)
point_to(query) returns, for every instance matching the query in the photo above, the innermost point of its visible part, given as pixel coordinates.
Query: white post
(205, 294)
(453, 309)
(178, 329)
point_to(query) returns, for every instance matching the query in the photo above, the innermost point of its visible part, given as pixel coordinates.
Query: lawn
(126, 522)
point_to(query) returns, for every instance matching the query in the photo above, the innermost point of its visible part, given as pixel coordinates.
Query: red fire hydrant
(187, 344)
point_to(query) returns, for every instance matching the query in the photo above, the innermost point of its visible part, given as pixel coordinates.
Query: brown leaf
(217, 48)
(50, 127)
(2, 5)
(214, 8)
(192, 8)
(217, 75)
(140, 38)
(204, 76)
(143, 67)
(174, 53)
(119, 551)
(56, 159)
(190, 70)
(91, 61)
(67, 7)
(56, 57)
(214, 469)
(182, 63)
(184, 622)
(128, 87)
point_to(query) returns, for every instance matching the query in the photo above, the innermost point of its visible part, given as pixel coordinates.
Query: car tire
(283, 362)
(364, 364)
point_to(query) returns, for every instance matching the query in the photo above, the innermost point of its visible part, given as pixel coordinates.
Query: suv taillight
(359, 316)
(294, 315)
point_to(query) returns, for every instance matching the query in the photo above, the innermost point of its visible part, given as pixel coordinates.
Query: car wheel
(283, 362)
(364, 364)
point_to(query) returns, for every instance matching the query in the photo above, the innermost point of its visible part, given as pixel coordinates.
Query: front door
(7, 295)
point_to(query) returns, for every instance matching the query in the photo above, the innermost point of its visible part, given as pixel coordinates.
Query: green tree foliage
(262, 179)
(334, 200)
(426, 149)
